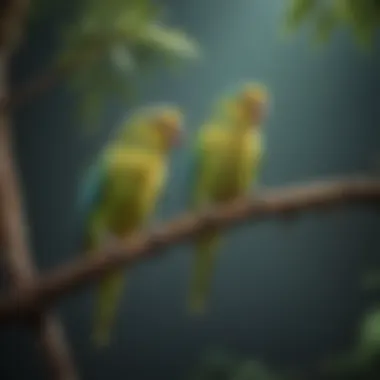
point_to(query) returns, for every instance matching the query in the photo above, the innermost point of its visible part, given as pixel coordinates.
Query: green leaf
(122, 58)
(370, 330)
(362, 17)
(364, 36)
(113, 43)
(297, 13)
(170, 41)
(326, 24)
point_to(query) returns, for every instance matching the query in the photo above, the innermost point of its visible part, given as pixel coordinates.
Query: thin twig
(52, 76)
(279, 202)
(37, 86)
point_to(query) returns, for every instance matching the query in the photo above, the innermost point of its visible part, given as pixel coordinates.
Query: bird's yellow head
(251, 104)
(169, 124)
(159, 127)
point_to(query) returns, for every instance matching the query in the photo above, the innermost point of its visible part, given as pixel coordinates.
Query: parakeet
(120, 194)
(227, 156)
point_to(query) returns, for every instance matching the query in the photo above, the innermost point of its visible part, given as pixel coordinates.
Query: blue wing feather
(91, 189)
(90, 195)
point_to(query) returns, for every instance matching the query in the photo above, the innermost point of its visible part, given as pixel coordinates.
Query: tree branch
(52, 76)
(19, 265)
(17, 258)
(43, 82)
(49, 78)
(270, 203)
(34, 88)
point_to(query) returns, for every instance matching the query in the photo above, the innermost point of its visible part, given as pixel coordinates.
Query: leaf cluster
(217, 364)
(362, 17)
(106, 44)
(360, 362)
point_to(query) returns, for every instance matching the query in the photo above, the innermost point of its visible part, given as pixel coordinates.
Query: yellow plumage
(229, 152)
(135, 181)
(132, 174)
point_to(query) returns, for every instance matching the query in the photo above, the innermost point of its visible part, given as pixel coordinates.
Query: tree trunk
(16, 256)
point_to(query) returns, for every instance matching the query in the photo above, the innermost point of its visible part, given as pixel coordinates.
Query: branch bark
(52, 76)
(270, 203)
(17, 258)
(19, 265)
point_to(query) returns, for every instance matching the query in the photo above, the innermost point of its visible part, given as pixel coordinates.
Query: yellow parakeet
(120, 194)
(228, 152)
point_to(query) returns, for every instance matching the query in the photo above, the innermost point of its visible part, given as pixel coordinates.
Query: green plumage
(131, 175)
(227, 160)
(134, 180)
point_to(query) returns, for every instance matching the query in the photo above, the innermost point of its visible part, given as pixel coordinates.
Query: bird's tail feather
(108, 298)
(202, 271)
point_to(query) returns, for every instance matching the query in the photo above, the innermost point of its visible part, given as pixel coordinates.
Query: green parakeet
(120, 194)
(228, 153)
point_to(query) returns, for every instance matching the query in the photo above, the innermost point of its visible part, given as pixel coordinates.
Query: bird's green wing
(112, 286)
(253, 163)
(207, 243)
(198, 172)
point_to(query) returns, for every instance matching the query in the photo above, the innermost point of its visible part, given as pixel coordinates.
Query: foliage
(363, 356)
(221, 365)
(107, 43)
(362, 16)
(361, 362)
